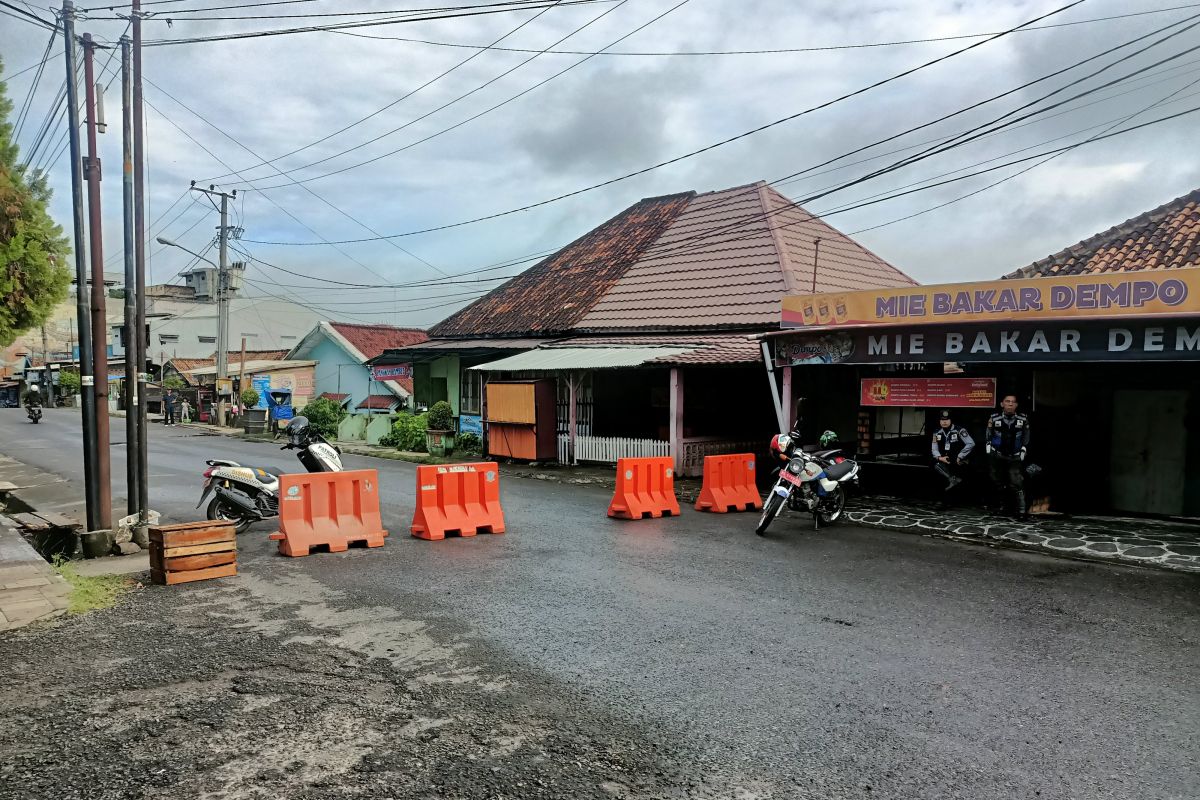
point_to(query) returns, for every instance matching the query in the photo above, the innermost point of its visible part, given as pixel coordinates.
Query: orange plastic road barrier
(458, 498)
(328, 509)
(729, 484)
(645, 488)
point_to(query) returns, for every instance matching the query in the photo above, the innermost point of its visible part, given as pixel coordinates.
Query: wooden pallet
(192, 551)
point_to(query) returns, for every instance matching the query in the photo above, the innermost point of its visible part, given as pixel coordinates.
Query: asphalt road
(844, 663)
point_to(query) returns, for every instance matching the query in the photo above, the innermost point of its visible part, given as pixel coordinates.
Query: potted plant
(439, 433)
(252, 418)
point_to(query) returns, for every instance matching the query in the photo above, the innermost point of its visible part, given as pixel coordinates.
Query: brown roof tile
(1166, 238)
(378, 401)
(372, 340)
(552, 296)
(728, 259)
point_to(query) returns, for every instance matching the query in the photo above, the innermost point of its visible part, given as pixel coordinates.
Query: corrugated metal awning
(559, 358)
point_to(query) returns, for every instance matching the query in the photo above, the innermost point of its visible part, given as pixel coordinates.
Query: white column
(677, 417)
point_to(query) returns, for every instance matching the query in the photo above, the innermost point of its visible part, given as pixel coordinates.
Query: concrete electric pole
(222, 296)
(81, 272)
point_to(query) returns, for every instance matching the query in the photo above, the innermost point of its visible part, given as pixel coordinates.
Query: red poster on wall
(929, 392)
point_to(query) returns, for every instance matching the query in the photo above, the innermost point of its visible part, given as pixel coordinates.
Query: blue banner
(471, 424)
(262, 385)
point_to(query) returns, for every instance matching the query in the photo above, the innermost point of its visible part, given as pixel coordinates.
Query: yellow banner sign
(1173, 292)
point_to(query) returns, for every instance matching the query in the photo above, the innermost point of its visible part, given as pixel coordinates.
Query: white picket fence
(607, 449)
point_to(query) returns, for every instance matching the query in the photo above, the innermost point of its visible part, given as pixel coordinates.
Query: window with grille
(471, 397)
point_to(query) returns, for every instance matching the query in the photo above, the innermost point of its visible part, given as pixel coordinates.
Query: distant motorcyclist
(33, 403)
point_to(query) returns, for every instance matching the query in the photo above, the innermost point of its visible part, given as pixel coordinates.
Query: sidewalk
(1145, 542)
(30, 590)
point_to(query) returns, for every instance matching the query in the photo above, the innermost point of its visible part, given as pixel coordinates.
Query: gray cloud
(614, 115)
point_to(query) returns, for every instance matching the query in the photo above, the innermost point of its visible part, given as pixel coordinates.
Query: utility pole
(141, 535)
(222, 295)
(99, 321)
(91, 488)
(132, 398)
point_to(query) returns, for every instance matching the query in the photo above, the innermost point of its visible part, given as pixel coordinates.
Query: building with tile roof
(342, 350)
(1098, 342)
(672, 284)
(1167, 237)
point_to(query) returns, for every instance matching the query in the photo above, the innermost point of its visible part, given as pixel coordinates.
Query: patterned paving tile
(1159, 543)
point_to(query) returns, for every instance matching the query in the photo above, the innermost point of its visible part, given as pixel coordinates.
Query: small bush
(173, 382)
(68, 382)
(249, 398)
(441, 417)
(469, 443)
(324, 415)
(408, 433)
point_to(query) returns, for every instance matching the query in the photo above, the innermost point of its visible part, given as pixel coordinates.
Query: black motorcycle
(34, 413)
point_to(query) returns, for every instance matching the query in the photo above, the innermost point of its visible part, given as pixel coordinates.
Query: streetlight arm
(169, 243)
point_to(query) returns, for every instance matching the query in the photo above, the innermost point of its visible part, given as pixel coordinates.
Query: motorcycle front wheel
(833, 506)
(218, 509)
(770, 511)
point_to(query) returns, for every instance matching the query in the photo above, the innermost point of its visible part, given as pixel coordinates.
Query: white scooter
(245, 495)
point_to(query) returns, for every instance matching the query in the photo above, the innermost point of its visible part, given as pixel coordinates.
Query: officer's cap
(944, 415)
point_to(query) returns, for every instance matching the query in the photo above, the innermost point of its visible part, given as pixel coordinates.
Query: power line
(25, 16)
(37, 79)
(928, 153)
(699, 151)
(218, 8)
(1007, 178)
(268, 198)
(391, 104)
(366, 24)
(468, 94)
(773, 51)
(508, 5)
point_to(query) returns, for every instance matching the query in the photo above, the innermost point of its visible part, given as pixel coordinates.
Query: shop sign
(1141, 341)
(929, 392)
(391, 372)
(1174, 292)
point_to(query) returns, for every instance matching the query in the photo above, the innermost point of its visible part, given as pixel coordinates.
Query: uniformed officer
(952, 445)
(1007, 441)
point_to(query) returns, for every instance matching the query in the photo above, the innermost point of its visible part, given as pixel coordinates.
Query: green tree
(68, 382)
(34, 276)
(173, 382)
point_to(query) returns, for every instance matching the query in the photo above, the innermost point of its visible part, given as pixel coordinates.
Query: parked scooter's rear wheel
(770, 511)
(218, 509)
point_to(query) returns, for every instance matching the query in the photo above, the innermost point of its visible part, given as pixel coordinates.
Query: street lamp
(171, 243)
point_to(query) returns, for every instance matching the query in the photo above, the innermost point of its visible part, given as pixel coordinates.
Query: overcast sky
(614, 114)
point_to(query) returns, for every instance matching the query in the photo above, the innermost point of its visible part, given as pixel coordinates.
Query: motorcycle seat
(838, 471)
(266, 474)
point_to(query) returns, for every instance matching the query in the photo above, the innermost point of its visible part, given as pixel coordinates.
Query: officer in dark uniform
(1007, 441)
(952, 445)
